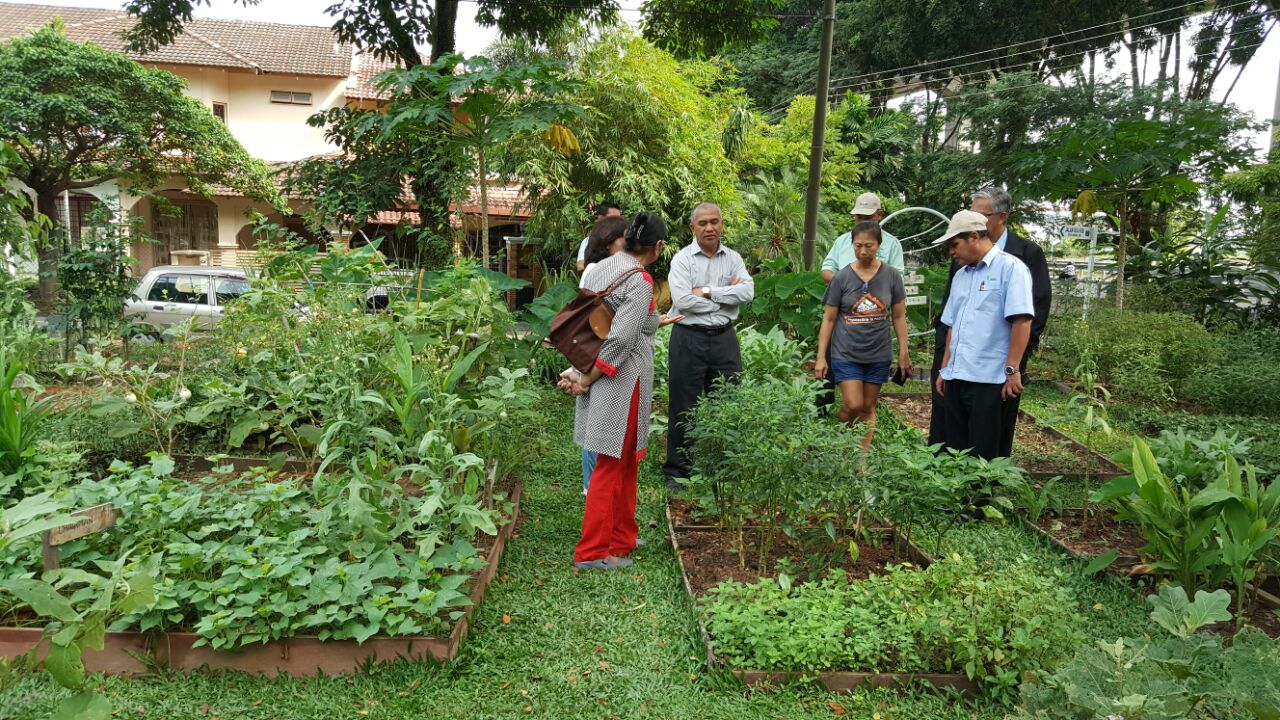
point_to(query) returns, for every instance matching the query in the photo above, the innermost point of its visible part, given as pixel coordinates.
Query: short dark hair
(603, 208)
(868, 227)
(646, 230)
(603, 234)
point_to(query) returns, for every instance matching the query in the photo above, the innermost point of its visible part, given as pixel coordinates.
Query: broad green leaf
(1100, 563)
(65, 665)
(42, 598)
(84, 705)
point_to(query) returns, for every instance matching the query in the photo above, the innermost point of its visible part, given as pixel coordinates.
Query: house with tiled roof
(264, 80)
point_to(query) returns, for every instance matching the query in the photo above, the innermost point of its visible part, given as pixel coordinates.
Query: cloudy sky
(1255, 92)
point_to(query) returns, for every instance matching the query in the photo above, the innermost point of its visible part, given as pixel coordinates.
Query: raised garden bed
(1043, 451)
(134, 653)
(692, 542)
(1086, 538)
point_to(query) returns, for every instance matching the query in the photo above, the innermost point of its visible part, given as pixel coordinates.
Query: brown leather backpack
(580, 328)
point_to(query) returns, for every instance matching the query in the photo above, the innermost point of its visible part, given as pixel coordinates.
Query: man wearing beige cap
(988, 320)
(867, 207)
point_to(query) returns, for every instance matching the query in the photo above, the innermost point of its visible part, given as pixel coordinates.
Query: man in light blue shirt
(867, 207)
(988, 319)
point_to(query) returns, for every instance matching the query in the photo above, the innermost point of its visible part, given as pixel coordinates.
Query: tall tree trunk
(444, 23)
(50, 249)
(1133, 63)
(484, 209)
(1121, 248)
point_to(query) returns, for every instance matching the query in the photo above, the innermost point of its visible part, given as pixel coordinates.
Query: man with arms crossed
(708, 282)
(988, 319)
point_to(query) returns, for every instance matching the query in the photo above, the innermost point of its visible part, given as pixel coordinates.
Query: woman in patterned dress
(615, 396)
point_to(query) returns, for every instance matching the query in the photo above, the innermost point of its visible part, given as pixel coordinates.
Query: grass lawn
(549, 643)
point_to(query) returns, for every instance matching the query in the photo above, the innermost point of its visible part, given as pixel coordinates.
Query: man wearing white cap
(867, 207)
(988, 319)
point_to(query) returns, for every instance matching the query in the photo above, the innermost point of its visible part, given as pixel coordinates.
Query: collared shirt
(1004, 239)
(841, 254)
(985, 298)
(691, 268)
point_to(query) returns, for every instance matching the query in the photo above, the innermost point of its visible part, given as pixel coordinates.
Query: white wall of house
(268, 130)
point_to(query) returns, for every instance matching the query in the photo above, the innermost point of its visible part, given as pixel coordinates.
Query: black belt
(707, 330)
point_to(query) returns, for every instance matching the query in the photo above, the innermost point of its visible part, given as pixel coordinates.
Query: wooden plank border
(841, 682)
(133, 653)
(1107, 470)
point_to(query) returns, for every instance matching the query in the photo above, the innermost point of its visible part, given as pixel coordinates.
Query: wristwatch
(707, 291)
(1010, 371)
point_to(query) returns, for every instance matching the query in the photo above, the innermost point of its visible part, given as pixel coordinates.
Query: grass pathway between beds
(549, 643)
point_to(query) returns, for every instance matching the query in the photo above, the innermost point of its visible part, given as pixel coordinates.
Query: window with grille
(289, 97)
(220, 112)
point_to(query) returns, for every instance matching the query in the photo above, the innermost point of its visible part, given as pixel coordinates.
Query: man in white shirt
(604, 209)
(709, 282)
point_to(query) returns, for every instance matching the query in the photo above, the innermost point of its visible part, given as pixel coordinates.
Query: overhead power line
(857, 87)
(693, 13)
(950, 63)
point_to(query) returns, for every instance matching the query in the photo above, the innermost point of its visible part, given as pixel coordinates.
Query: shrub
(957, 616)
(762, 454)
(1141, 355)
(1247, 381)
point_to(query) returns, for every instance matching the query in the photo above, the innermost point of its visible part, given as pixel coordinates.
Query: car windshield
(230, 288)
(174, 288)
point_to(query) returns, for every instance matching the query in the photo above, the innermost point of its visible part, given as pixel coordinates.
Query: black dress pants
(974, 417)
(695, 359)
(938, 410)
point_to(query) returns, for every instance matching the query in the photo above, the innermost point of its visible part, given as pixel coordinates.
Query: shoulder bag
(580, 328)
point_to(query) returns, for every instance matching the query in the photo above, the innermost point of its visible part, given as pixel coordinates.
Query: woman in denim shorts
(862, 301)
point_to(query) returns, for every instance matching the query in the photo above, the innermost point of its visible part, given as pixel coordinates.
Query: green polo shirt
(842, 256)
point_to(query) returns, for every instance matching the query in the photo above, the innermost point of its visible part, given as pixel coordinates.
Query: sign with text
(913, 279)
(913, 290)
(917, 300)
(88, 522)
(1080, 232)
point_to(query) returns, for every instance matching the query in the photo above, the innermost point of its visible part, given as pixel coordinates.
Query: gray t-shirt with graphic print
(864, 323)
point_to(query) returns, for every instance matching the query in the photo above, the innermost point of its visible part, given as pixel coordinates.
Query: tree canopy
(79, 116)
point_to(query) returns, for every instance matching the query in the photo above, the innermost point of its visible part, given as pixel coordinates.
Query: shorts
(874, 373)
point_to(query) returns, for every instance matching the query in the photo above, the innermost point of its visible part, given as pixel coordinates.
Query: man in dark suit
(994, 203)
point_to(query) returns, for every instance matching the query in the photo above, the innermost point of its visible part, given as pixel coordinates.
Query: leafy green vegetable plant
(958, 616)
(1184, 675)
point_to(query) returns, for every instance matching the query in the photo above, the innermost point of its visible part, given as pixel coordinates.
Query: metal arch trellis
(941, 219)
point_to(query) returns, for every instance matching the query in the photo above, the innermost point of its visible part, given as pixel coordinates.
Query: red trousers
(609, 523)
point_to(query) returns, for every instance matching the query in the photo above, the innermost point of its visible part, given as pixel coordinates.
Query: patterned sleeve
(628, 326)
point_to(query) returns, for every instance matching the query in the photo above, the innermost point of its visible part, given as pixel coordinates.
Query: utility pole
(819, 133)
(1275, 116)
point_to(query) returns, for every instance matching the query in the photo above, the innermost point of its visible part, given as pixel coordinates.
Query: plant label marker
(917, 300)
(91, 520)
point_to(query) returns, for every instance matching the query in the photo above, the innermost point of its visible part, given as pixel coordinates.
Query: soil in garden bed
(1034, 449)
(710, 556)
(1094, 533)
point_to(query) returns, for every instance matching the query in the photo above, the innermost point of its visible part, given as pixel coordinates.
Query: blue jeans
(588, 467)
